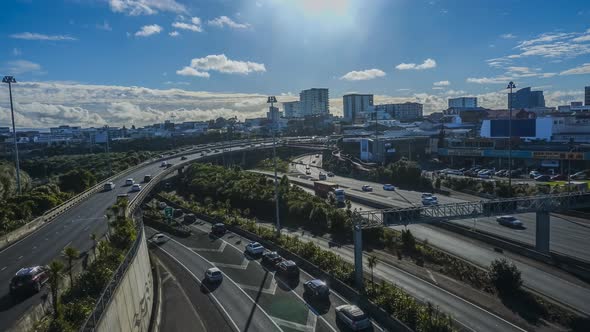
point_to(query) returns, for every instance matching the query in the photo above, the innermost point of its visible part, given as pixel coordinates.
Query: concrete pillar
(358, 256)
(543, 232)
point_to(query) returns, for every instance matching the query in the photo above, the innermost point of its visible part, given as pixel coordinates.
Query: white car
(388, 187)
(136, 187)
(129, 182)
(159, 238)
(109, 186)
(213, 275)
(509, 221)
(163, 164)
(254, 248)
(353, 317)
(426, 195)
(366, 187)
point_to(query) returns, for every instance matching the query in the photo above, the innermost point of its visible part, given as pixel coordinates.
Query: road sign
(168, 211)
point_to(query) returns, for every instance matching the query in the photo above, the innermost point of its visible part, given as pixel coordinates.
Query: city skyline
(135, 62)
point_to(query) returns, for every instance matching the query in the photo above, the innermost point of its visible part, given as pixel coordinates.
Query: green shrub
(505, 276)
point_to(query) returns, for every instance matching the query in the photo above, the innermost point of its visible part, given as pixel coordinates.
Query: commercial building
(314, 101)
(354, 104)
(463, 102)
(273, 114)
(587, 96)
(292, 109)
(525, 98)
(403, 112)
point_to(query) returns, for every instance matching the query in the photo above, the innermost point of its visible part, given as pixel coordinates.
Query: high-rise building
(273, 114)
(354, 104)
(314, 101)
(291, 109)
(525, 98)
(587, 96)
(463, 102)
(403, 112)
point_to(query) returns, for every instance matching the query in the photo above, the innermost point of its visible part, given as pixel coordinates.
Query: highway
(569, 235)
(251, 296)
(544, 279)
(72, 228)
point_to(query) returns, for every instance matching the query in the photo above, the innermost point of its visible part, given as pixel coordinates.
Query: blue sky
(243, 49)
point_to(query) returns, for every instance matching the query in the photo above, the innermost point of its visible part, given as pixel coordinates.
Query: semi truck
(327, 189)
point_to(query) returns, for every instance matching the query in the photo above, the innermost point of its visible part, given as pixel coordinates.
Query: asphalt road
(568, 233)
(73, 228)
(250, 294)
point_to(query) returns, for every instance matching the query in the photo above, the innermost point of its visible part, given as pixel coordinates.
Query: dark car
(28, 280)
(190, 217)
(543, 178)
(271, 258)
(183, 158)
(147, 178)
(316, 289)
(288, 269)
(218, 229)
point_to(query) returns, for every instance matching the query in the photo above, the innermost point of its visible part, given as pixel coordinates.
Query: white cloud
(441, 83)
(438, 88)
(489, 80)
(195, 25)
(174, 33)
(22, 66)
(427, 64)
(220, 63)
(583, 69)
(222, 21)
(583, 38)
(189, 71)
(508, 36)
(40, 36)
(148, 30)
(146, 7)
(16, 51)
(363, 75)
(104, 26)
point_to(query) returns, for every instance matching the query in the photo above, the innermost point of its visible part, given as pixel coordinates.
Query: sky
(123, 62)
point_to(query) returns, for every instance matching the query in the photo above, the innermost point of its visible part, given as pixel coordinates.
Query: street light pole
(271, 100)
(106, 127)
(10, 80)
(510, 86)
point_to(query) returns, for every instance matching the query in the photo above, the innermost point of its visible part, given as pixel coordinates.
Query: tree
(437, 183)
(408, 240)
(77, 180)
(505, 276)
(71, 254)
(372, 261)
(94, 239)
(55, 269)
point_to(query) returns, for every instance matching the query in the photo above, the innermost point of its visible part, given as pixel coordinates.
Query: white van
(109, 186)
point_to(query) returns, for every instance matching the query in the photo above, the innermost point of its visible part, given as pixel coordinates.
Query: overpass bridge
(541, 205)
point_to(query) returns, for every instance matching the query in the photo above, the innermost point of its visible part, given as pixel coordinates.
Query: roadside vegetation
(48, 182)
(234, 196)
(268, 165)
(74, 297)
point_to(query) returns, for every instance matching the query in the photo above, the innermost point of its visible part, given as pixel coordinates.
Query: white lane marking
(199, 282)
(220, 249)
(290, 289)
(4, 268)
(431, 276)
(20, 257)
(233, 282)
(67, 244)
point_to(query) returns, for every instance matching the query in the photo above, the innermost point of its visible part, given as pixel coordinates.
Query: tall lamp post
(511, 86)
(10, 80)
(271, 100)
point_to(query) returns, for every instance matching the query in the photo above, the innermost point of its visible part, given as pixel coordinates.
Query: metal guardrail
(105, 298)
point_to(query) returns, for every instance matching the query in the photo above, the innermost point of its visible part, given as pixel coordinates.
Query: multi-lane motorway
(72, 228)
(549, 281)
(251, 296)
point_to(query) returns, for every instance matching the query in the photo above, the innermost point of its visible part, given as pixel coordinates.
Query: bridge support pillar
(542, 235)
(358, 257)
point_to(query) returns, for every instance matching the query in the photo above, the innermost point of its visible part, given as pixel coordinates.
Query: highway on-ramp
(72, 228)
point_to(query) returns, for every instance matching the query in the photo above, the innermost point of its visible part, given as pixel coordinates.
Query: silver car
(353, 317)
(213, 275)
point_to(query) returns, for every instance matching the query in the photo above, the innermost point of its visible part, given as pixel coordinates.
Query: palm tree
(71, 253)
(372, 260)
(94, 239)
(54, 278)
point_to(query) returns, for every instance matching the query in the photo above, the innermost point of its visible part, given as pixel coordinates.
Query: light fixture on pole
(271, 100)
(10, 80)
(511, 86)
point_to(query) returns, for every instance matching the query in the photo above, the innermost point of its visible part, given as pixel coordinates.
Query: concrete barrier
(131, 304)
